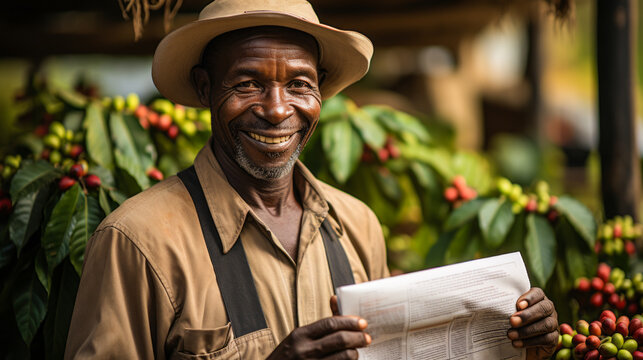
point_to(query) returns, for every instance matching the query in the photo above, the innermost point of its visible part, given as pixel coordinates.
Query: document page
(458, 311)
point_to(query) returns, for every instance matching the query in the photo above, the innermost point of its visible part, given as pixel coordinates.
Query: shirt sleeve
(122, 309)
(379, 269)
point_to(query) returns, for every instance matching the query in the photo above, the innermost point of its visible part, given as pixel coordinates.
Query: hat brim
(345, 55)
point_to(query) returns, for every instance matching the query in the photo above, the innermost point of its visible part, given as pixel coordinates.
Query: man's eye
(299, 84)
(247, 85)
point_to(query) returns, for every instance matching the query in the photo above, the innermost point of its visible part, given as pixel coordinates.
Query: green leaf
(132, 167)
(495, 219)
(99, 148)
(42, 271)
(72, 98)
(104, 202)
(117, 196)
(580, 259)
(540, 245)
(464, 245)
(343, 148)
(398, 122)
(27, 217)
(372, 133)
(438, 251)
(122, 138)
(61, 224)
(7, 252)
(388, 184)
(88, 216)
(61, 307)
(579, 217)
(334, 109)
(29, 304)
(465, 213)
(437, 158)
(31, 177)
(143, 142)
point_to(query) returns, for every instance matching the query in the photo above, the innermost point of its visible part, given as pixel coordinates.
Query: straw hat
(345, 55)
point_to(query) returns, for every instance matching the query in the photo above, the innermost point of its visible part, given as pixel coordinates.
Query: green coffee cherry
(618, 340)
(188, 128)
(55, 157)
(7, 172)
(205, 116)
(179, 114)
(52, 141)
(57, 129)
(542, 188)
(619, 246)
(163, 106)
(504, 186)
(630, 345)
(564, 354)
(624, 355)
(191, 114)
(69, 135)
(567, 341)
(608, 349)
(132, 102)
(118, 103)
(13, 161)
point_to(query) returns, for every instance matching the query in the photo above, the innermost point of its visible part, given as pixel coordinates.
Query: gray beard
(264, 173)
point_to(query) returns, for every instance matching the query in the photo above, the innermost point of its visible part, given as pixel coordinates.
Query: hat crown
(224, 8)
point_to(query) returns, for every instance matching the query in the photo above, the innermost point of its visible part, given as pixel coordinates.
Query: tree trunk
(620, 173)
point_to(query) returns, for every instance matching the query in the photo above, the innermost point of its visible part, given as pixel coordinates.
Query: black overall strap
(340, 268)
(232, 270)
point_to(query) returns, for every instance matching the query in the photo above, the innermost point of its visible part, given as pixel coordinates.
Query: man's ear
(201, 83)
(321, 76)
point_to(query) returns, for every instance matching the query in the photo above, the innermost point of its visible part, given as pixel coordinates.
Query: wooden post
(620, 169)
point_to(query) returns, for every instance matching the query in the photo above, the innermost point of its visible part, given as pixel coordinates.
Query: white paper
(458, 311)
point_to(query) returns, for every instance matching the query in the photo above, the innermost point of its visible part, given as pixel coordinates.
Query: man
(238, 256)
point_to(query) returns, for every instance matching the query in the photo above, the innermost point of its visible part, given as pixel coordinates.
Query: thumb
(334, 306)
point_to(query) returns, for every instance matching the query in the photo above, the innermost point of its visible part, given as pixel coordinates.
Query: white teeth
(269, 140)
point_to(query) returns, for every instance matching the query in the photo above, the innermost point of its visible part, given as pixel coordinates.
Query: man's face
(264, 98)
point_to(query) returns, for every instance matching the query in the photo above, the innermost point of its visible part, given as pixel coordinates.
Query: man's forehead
(238, 40)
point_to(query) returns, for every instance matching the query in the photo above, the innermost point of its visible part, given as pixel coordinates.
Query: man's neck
(272, 196)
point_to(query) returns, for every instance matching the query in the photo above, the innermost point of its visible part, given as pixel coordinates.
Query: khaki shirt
(148, 289)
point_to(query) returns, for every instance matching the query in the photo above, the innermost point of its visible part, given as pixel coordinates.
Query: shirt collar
(229, 211)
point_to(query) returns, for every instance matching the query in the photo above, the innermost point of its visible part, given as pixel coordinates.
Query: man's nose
(275, 107)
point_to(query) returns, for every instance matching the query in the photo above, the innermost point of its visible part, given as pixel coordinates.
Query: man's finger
(541, 327)
(533, 313)
(529, 298)
(340, 341)
(334, 305)
(333, 324)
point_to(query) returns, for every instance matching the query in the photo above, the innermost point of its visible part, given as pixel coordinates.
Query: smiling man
(237, 257)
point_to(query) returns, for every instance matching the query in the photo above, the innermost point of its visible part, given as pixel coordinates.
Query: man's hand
(335, 337)
(535, 325)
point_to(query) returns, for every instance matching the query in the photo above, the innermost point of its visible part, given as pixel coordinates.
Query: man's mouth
(269, 140)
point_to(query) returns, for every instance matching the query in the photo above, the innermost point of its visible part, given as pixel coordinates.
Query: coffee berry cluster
(386, 152)
(539, 201)
(617, 236)
(162, 115)
(610, 287)
(604, 339)
(79, 172)
(459, 192)
(62, 146)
